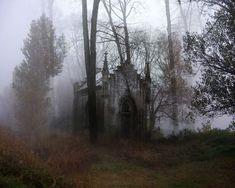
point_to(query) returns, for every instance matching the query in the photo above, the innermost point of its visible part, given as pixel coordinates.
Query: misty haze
(117, 93)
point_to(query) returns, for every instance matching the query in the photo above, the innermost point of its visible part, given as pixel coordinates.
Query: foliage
(43, 57)
(214, 51)
(206, 126)
(231, 126)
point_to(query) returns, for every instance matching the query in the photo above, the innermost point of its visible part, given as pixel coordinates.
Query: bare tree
(120, 10)
(153, 49)
(90, 62)
(108, 8)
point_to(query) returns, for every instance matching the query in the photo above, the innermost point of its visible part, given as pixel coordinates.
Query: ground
(63, 160)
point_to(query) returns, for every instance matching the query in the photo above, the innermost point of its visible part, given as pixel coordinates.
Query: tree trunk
(90, 62)
(126, 32)
(117, 41)
(172, 67)
(183, 17)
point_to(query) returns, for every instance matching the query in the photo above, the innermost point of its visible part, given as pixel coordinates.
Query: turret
(105, 87)
(148, 82)
(105, 75)
(147, 72)
(147, 99)
(105, 70)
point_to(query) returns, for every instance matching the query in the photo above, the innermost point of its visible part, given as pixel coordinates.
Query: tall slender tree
(172, 66)
(90, 62)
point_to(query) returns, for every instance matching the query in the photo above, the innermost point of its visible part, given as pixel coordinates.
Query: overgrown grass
(190, 160)
(20, 167)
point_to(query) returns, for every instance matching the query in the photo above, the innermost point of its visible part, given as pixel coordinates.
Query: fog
(16, 16)
(15, 19)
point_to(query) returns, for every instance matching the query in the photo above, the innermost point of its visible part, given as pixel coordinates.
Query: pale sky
(16, 16)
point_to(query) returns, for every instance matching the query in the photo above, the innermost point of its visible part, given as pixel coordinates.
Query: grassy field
(60, 160)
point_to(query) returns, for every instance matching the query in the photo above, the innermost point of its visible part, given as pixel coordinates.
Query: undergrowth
(204, 159)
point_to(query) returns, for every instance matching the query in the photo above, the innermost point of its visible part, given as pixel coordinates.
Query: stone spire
(147, 71)
(105, 65)
(148, 83)
(105, 76)
(147, 99)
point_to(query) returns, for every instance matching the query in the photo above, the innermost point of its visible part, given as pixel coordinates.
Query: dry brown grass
(202, 161)
(62, 155)
(12, 146)
(65, 154)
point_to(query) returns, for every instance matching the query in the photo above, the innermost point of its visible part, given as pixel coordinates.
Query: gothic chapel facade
(123, 101)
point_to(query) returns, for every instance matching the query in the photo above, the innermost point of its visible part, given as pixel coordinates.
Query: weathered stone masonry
(123, 101)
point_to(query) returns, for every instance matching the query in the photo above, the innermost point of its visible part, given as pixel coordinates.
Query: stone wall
(121, 103)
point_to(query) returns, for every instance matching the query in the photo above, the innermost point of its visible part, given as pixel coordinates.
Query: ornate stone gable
(122, 102)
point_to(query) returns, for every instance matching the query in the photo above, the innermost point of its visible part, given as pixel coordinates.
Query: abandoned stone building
(123, 101)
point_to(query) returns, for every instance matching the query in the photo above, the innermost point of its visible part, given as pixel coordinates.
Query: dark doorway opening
(128, 112)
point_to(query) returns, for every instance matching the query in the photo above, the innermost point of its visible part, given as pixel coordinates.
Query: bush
(231, 126)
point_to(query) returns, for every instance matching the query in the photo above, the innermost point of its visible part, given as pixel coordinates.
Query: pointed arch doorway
(127, 112)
